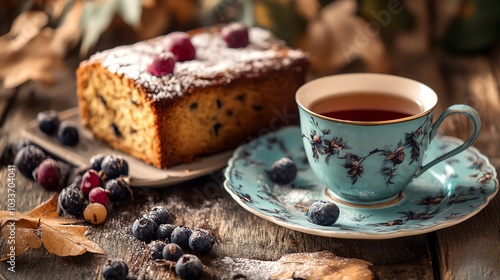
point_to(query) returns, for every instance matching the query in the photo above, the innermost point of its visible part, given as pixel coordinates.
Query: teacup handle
(454, 109)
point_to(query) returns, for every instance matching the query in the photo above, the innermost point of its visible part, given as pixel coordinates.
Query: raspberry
(68, 134)
(98, 195)
(162, 64)
(172, 252)
(164, 231)
(48, 122)
(113, 166)
(70, 200)
(283, 171)
(144, 229)
(48, 174)
(95, 213)
(188, 266)
(179, 43)
(28, 159)
(235, 35)
(323, 213)
(201, 241)
(156, 249)
(115, 269)
(159, 215)
(90, 180)
(180, 236)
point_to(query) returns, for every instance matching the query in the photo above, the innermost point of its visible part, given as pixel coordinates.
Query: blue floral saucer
(447, 194)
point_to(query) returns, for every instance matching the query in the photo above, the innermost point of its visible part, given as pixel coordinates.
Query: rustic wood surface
(469, 250)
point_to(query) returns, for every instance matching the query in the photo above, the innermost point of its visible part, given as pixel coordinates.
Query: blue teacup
(366, 135)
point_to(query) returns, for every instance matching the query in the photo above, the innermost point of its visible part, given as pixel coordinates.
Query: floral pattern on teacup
(324, 143)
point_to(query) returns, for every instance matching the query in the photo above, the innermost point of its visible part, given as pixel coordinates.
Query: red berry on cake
(179, 43)
(162, 64)
(235, 35)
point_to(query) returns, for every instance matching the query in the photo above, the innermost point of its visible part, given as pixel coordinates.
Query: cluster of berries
(324, 213)
(178, 47)
(49, 123)
(168, 242)
(106, 179)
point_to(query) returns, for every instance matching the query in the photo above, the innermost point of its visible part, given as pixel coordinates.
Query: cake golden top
(214, 63)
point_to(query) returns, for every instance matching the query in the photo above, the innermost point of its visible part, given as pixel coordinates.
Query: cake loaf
(209, 104)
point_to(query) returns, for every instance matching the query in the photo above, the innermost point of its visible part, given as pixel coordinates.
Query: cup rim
(301, 91)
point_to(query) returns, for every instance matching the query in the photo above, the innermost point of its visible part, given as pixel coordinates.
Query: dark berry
(235, 35)
(156, 249)
(23, 143)
(188, 267)
(179, 43)
(95, 162)
(48, 174)
(201, 241)
(28, 159)
(144, 229)
(115, 270)
(164, 231)
(8, 154)
(70, 201)
(113, 166)
(180, 236)
(162, 64)
(48, 122)
(159, 214)
(283, 171)
(172, 252)
(98, 195)
(323, 213)
(117, 189)
(90, 180)
(68, 134)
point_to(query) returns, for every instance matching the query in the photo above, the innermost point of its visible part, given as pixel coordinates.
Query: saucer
(144, 175)
(445, 195)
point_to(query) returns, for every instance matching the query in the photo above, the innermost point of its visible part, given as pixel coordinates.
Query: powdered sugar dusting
(214, 64)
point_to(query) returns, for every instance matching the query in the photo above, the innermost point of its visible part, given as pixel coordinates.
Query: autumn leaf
(42, 225)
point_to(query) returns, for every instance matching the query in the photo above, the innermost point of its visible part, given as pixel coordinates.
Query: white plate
(144, 175)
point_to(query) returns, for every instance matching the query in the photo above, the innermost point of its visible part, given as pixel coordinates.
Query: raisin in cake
(209, 104)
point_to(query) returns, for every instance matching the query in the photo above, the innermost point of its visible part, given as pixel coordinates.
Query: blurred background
(40, 37)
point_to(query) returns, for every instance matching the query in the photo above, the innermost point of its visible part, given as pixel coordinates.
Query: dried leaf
(42, 225)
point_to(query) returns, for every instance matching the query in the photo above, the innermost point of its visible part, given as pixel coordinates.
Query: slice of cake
(218, 95)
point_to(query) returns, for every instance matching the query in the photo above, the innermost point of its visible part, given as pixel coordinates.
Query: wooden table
(469, 250)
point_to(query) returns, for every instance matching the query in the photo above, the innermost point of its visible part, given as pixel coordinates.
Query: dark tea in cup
(366, 107)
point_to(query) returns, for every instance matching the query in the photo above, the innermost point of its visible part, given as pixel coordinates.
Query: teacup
(366, 135)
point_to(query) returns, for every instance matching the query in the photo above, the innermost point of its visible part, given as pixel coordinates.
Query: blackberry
(188, 267)
(164, 231)
(156, 249)
(28, 159)
(113, 166)
(115, 269)
(323, 213)
(96, 161)
(172, 252)
(70, 201)
(67, 134)
(180, 236)
(144, 229)
(159, 215)
(48, 122)
(283, 171)
(117, 189)
(201, 241)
